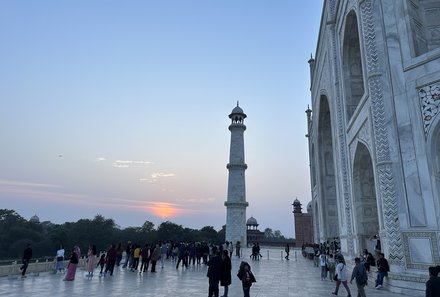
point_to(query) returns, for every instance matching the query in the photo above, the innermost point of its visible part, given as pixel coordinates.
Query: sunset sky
(121, 108)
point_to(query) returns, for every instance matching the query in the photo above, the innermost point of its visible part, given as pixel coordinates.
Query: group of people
(334, 266)
(219, 272)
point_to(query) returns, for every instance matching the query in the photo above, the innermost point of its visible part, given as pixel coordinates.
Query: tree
(148, 227)
(169, 231)
(268, 233)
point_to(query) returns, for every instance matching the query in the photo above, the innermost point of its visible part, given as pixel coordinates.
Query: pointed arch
(327, 199)
(352, 65)
(364, 196)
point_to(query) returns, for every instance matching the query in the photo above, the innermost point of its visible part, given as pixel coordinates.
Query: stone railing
(34, 267)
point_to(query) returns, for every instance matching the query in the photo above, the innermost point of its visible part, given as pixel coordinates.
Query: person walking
(341, 276)
(145, 258)
(287, 250)
(433, 284)
(382, 270)
(237, 249)
(91, 259)
(27, 256)
(59, 265)
(247, 278)
(101, 263)
(360, 274)
(73, 263)
(323, 265)
(225, 279)
(154, 257)
(110, 260)
(214, 273)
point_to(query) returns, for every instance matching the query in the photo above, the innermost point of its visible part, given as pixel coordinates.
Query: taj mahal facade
(374, 133)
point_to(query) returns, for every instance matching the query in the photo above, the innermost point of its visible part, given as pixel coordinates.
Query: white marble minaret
(236, 203)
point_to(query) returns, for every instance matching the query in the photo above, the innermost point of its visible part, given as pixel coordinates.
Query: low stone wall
(36, 267)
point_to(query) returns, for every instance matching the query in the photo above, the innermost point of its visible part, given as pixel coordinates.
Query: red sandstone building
(303, 224)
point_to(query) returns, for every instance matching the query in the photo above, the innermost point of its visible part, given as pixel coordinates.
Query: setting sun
(163, 210)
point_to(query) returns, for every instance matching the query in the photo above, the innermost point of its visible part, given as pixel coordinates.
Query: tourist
(360, 273)
(323, 265)
(225, 279)
(237, 249)
(341, 276)
(433, 284)
(101, 263)
(331, 267)
(246, 277)
(230, 249)
(91, 258)
(382, 270)
(119, 251)
(181, 255)
(27, 256)
(110, 260)
(128, 257)
(59, 264)
(163, 252)
(214, 273)
(192, 254)
(145, 258)
(287, 250)
(136, 255)
(154, 257)
(367, 260)
(73, 263)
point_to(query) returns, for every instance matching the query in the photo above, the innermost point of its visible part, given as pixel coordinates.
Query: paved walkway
(275, 277)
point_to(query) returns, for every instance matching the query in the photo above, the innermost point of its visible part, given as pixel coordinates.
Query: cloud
(128, 163)
(207, 200)
(100, 159)
(160, 174)
(17, 183)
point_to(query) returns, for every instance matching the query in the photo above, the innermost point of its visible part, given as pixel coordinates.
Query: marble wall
(378, 65)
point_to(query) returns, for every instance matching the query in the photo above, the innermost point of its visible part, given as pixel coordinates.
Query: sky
(120, 108)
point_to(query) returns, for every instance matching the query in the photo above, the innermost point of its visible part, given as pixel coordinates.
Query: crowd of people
(328, 257)
(139, 258)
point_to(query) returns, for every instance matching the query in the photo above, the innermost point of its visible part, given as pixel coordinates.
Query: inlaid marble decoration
(429, 104)
(418, 249)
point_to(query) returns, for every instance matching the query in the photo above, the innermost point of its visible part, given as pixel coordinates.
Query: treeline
(46, 237)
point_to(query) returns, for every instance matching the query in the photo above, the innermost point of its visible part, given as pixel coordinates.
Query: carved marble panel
(429, 104)
(419, 249)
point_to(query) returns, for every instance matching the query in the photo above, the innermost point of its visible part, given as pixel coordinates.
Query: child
(101, 263)
(246, 277)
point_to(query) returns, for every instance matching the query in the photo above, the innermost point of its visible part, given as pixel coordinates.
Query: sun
(163, 210)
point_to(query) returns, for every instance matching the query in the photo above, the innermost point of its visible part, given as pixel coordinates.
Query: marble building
(236, 200)
(374, 133)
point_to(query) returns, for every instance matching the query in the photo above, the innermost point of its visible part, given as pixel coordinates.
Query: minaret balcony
(236, 166)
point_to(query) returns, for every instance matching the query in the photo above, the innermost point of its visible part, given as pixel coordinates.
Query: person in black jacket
(225, 279)
(247, 278)
(433, 284)
(382, 270)
(214, 273)
(27, 256)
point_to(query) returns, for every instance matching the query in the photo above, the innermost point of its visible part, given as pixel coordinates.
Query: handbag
(335, 278)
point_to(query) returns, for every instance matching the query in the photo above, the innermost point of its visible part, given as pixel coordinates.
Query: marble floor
(275, 277)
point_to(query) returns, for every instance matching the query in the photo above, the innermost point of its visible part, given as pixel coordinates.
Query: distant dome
(34, 219)
(237, 109)
(309, 207)
(251, 221)
(296, 201)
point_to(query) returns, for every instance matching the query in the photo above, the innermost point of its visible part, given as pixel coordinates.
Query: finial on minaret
(237, 102)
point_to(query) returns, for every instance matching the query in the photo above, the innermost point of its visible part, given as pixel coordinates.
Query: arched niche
(326, 174)
(364, 196)
(352, 65)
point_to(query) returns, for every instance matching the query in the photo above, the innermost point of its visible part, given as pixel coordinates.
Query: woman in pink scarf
(73, 263)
